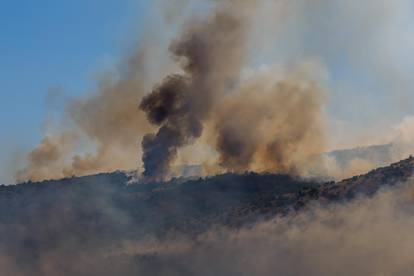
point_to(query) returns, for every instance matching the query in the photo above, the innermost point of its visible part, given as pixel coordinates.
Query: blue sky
(54, 43)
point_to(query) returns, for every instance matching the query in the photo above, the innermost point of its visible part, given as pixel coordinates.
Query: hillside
(98, 212)
(177, 204)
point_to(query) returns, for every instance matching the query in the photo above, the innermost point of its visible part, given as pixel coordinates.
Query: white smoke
(370, 236)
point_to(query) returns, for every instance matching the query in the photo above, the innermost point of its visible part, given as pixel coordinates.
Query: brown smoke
(261, 125)
(265, 123)
(44, 160)
(109, 119)
(211, 55)
(270, 125)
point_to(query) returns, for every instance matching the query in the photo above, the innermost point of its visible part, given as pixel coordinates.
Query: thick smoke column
(266, 123)
(211, 55)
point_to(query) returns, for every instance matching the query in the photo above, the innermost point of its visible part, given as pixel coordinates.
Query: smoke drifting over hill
(109, 120)
(211, 93)
(271, 125)
(365, 237)
(265, 123)
(242, 85)
(211, 53)
(261, 122)
(85, 230)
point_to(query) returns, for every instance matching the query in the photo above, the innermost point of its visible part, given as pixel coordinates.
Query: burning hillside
(212, 149)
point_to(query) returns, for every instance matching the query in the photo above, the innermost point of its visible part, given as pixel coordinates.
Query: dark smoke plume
(269, 122)
(210, 53)
(263, 122)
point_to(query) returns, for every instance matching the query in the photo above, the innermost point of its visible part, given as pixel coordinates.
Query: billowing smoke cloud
(211, 54)
(265, 122)
(259, 124)
(272, 122)
(185, 106)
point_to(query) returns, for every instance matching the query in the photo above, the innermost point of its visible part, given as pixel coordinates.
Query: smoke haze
(286, 113)
(272, 123)
(241, 86)
(110, 119)
(189, 95)
(367, 236)
(212, 53)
